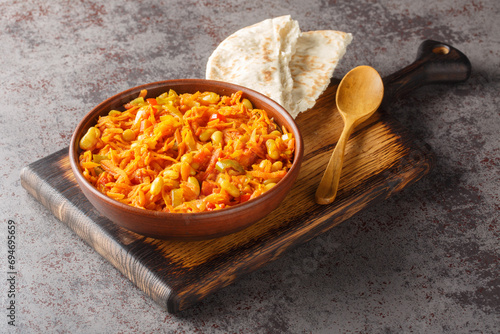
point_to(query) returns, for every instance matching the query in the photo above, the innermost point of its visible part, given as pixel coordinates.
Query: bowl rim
(96, 111)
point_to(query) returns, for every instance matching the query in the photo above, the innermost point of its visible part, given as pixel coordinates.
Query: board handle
(436, 63)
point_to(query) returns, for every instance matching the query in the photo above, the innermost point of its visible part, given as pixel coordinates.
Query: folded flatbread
(274, 58)
(257, 57)
(312, 65)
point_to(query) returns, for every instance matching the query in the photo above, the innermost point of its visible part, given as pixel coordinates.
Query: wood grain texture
(381, 159)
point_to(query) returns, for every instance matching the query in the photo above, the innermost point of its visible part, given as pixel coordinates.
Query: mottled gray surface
(424, 261)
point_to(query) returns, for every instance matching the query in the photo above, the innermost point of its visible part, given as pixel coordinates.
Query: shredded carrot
(187, 152)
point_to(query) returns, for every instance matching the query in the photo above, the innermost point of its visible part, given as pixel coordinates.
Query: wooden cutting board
(381, 159)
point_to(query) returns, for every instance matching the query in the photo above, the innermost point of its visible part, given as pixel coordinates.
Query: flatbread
(316, 57)
(258, 57)
(276, 59)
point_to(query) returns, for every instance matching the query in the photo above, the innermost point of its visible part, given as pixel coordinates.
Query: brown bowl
(187, 226)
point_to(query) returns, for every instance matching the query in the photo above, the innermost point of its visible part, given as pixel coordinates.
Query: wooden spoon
(359, 95)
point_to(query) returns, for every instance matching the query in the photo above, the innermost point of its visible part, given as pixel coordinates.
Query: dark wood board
(382, 158)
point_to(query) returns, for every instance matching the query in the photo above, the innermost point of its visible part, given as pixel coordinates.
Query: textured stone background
(424, 261)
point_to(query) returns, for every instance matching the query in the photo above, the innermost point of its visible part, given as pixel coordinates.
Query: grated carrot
(168, 145)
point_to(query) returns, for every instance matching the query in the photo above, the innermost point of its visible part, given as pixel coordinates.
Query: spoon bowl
(359, 95)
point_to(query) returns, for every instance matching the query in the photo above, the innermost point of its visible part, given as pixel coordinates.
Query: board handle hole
(441, 50)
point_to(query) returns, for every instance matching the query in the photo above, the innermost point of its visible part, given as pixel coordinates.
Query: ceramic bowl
(187, 226)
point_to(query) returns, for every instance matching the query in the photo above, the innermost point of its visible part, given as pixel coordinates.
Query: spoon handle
(328, 186)
(436, 63)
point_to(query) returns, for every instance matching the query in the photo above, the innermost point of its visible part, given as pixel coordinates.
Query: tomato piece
(245, 197)
(152, 101)
(207, 188)
(218, 116)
